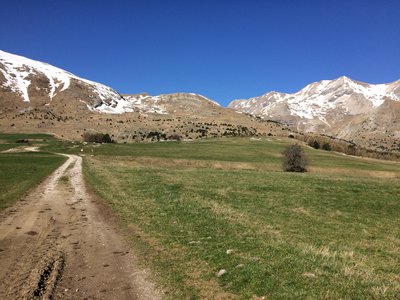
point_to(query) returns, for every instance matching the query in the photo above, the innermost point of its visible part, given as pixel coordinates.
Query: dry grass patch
(352, 172)
(152, 162)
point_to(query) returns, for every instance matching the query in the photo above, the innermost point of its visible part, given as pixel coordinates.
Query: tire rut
(58, 243)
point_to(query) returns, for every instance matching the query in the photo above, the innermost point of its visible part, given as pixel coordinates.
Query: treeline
(330, 143)
(97, 138)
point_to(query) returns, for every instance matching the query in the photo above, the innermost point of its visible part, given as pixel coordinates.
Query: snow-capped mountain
(36, 97)
(26, 83)
(318, 99)
(322, 106)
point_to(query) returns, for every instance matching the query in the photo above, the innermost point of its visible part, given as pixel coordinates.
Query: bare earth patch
(22, 149)
(59, 243)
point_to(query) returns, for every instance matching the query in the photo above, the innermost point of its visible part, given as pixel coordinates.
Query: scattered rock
(194, 242)
(240, 266)
(221, 272)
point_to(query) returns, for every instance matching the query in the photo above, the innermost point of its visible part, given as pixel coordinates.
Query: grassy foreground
(21, 171)
(219, 220)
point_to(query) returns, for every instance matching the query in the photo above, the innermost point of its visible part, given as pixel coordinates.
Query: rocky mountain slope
(38, 97)
(349, 109)
(178, 103)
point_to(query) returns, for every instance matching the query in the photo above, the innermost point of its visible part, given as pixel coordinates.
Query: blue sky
(222, 49)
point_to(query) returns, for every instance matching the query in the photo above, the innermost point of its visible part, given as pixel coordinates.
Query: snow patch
(146, 104)
(19, 68)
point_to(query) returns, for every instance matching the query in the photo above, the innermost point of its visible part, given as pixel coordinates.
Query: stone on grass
(221, 272)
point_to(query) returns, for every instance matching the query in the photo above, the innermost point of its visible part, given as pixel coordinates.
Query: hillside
(36, 97)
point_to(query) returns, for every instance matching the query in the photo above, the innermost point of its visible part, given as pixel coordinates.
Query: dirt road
(59, 243)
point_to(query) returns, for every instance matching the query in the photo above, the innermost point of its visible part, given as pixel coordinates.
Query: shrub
(107, 138)
(326, 146)
(314, 144)
(22, 141)
(294, 159)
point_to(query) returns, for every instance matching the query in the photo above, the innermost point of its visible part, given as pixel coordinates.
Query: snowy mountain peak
(322, 101)
(343, 79)
(19, 74)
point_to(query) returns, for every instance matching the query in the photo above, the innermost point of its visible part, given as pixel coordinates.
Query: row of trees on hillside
(97, 138)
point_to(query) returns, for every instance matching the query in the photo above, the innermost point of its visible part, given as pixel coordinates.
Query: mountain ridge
(38, 97)
(342, 107)
(375, 93)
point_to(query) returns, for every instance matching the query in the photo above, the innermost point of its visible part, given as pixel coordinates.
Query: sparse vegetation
(331, 143)
(64, 179)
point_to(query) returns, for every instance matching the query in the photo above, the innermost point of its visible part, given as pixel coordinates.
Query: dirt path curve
(57, 243)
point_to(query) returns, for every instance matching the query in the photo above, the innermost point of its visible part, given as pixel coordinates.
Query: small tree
(107, 138)
(294, 159)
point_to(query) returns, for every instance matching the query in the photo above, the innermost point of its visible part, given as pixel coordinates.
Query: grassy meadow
(218, 219)
(21, 171)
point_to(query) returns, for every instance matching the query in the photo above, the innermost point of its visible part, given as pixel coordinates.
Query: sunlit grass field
(218, 219)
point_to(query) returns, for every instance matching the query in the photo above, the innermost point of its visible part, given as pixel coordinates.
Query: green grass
(331, 233)
(203, 150)
(20, 172)
(13, 137)
(46, 143)
(241, 150)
